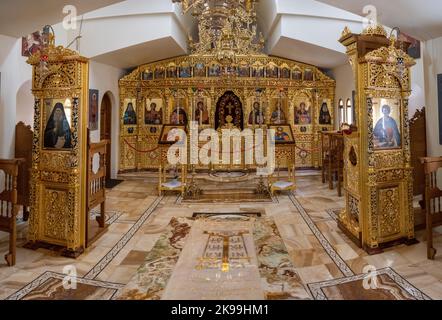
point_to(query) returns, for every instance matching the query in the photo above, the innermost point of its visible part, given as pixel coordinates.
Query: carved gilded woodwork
(377, 160)
(58, 176)
(206, 79)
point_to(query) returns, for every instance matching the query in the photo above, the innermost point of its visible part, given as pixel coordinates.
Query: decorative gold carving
(389, 212)
(136, 139)
(388, 159)
(58, 178)
(351, 172)
(375, 30)
(384, 177)
(56, 214)
(345, 32)
(388, 56)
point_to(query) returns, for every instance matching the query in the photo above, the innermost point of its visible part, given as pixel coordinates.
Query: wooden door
(106, 130)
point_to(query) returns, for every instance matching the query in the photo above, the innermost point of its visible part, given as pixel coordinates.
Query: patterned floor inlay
(214, 258)
(295, 250)
(122, 242)
(334, 213)
(337, 259)
(50, 286)
(384, 284)
(110, 216)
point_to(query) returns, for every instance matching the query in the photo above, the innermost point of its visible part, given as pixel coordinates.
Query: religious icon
(147, 75)
(302, 115)
(414, 50)
(324, 114)
(153, 113)
(308, 75)
(272, 71)
(201, 113)
(159, 73)
(297, 75)
(178, 116)
(175, 132)
(185, 72)
(93, 110)
(231, 70)
(214, 70)
(278, 115)
(58, 131)
(199, 70)
(283, 134)
(386, 133)
(244, 71)
(285, 73)
(257, 114)
(130, 116)
(171, 72)
(31, 44)
(258, 72)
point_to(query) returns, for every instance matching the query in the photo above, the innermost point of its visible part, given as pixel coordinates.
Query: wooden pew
(325, 155)
(336, 161)
(433, 197)
(8, 205)
(96, 193)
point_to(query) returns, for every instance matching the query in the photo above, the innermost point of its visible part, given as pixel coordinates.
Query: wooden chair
(336, 164)
(418, 148)
(278, 183)
(172, 178)
(8, 205)
(96, 193)
(325, 154)
(433, 197)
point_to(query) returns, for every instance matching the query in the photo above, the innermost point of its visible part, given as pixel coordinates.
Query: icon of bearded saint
(58, 132)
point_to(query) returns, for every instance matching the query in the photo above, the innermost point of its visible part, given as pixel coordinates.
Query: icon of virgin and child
(58, 131)
(302, 115)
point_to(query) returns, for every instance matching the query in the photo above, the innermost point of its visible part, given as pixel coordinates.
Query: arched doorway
(25, 104)
(106, 130)
(229, 110)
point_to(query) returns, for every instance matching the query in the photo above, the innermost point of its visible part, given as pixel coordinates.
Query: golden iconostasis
(257, 91)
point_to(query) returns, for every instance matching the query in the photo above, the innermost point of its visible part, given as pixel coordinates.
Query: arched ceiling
(133, 32)
(420, 19)
(22, 17)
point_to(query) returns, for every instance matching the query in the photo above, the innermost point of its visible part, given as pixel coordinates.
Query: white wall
(14, 73)
(105, 78)
(25, 104)
(417, 98)
(345, 85)
(432, 67)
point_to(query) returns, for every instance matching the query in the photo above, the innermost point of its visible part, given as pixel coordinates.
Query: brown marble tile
(135, 257)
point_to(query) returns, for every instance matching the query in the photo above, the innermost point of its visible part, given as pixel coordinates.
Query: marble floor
(324, 262)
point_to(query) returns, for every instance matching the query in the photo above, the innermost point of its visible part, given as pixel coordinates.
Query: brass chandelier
(226, 28)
